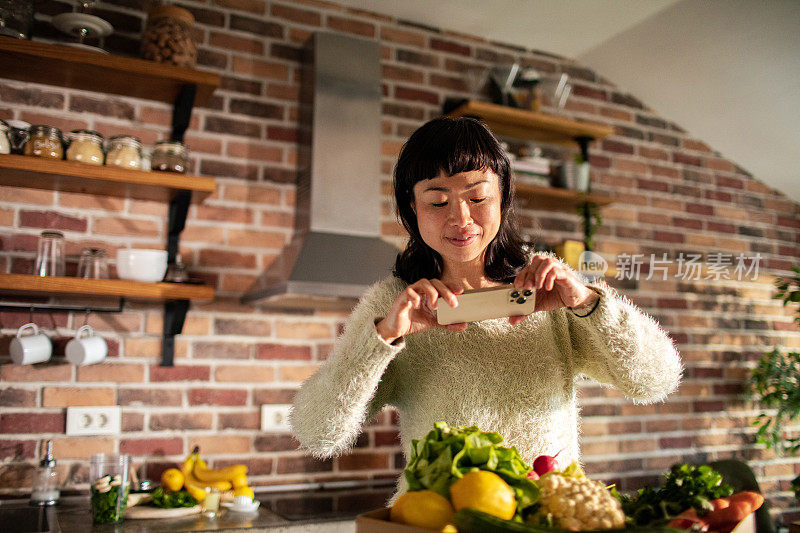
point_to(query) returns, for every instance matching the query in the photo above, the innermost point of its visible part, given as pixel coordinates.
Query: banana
(196, 492)
(190, 480)
(203, 473)
(188, 463)
(220, 485)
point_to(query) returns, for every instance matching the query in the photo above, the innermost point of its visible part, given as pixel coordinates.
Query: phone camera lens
(527, 293)
(521, 300)
(514, 294)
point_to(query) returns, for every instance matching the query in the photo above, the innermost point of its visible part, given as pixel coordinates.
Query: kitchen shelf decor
(71, 67)
(40, 173)
(541, 127)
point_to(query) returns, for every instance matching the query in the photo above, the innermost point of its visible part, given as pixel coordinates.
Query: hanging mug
(30, 349)
(86, 350)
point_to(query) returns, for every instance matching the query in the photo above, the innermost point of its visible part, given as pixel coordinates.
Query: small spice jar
(124, 151)
(45, 141)
(170, 156)
(85, 146)
(168, 36)
(5, 145)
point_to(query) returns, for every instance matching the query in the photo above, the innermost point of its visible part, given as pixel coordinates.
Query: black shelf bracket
(178, 209)
(583, 144)
(174, 315)
(182, 111)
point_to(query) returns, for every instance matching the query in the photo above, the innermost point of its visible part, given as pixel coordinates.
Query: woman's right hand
(413, 310)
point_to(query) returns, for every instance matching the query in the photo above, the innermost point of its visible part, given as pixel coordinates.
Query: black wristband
(596, 303)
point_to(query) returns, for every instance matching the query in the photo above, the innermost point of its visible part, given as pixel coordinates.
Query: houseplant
(775, 384)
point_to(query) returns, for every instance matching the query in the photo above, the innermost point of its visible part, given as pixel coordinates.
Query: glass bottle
(85, 146)
(50, 260)
(124, 151)
(45, 480)
(45, 141)
(170, 156)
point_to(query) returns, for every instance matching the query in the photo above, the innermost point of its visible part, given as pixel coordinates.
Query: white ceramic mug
(86, 350)
(30, 349)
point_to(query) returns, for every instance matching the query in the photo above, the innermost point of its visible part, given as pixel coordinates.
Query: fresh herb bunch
(775, 385)
(171, 500)
(685, 486)
(104, 505)
(447, 453)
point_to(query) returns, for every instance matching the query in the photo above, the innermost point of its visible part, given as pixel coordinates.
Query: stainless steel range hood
(337, 251)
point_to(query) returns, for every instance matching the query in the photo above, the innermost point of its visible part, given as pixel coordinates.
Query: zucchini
(474, 521)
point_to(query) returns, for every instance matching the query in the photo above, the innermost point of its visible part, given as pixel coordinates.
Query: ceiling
(726, 71)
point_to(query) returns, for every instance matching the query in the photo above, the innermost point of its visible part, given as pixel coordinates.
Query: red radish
(533, 475)
(545, 463)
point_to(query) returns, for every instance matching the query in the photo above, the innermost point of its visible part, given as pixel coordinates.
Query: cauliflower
(578, 503)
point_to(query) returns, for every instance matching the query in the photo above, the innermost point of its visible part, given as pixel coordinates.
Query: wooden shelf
(554, 199)
(522, 124)
(40, 173)
(67, 66)
(104, 287)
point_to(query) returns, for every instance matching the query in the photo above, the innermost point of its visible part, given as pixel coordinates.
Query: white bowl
(141, 265)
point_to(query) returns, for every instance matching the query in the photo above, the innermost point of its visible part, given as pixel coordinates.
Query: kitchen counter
(314, 511)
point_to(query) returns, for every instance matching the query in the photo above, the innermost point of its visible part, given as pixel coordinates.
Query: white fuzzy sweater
(516, 380)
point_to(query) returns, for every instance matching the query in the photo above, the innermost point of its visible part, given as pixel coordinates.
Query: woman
(516, 375)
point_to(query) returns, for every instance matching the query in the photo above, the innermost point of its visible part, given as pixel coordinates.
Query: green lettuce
(447, 453)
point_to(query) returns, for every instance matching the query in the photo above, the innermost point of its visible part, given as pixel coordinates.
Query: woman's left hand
(556, 286)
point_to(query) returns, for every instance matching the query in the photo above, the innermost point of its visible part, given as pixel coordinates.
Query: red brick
(274, 442)
(450, 47)
(221, 350)
(416, 95)
(180, 421)
(149, 396)
(394, 72)
(667, 236)
(217, 397)
(73, 396)
(274, 396)
(51, 220)
(357, 27)
(236, 43)
(180, 373)
(13, 397)
(250, 420)
(363, 461)
(700, 209)
(303, 465)
(387, 438)
(33, 422)
(733, 183)
(34, 373)
(223, 258)
(151, 446)
(652, 185)
(402, 37)
(303, 16)
(283, 352)
(18, 449)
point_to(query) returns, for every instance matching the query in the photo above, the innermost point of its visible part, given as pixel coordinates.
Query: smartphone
(483, 304)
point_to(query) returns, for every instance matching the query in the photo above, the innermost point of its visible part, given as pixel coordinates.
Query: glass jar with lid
(124, 151)
(45, 141)
(170, 156)
(5, 145)
(85, 146)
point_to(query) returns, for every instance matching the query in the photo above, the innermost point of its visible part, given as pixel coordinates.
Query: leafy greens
(447, 453)
(171, 500)
(685, 486)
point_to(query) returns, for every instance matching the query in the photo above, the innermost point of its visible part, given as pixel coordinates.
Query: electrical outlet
(94, 420)
(275, 418)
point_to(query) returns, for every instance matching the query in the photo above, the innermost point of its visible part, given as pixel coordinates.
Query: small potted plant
(775, 384)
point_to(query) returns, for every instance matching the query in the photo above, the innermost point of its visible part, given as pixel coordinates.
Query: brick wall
(674, 194)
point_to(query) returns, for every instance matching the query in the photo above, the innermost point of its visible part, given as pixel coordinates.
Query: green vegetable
(447, 453)
(685, 486)
(473, 521)
(105, 508)
(171, 500)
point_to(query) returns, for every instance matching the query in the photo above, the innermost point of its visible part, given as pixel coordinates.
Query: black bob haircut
(454, 145)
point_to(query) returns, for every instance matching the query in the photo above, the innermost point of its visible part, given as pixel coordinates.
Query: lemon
(424, 508)
(172, 479)
(396, 512)
(244, 491)
(484, 491)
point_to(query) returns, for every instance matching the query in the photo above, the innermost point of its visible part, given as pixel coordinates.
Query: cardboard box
(377, 521)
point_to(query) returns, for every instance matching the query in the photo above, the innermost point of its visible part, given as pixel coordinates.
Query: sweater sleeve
(347, 390)
(620, 345)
